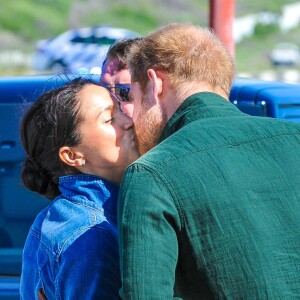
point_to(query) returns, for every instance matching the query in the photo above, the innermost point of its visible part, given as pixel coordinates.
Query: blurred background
(52, 36)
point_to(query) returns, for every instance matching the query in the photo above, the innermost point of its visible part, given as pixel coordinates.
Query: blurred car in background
(285, 54)
(77, 49)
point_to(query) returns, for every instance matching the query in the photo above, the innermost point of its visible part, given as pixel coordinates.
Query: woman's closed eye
(109, 120)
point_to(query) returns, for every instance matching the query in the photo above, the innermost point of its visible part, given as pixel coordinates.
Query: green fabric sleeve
(148, 222)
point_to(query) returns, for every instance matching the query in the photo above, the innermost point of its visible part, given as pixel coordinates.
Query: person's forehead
(93, 92)
(111, 66)
(111, 74)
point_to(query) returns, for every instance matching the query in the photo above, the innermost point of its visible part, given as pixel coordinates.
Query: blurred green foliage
(244, 7)
(38, 19)
(33, 19)
(23, 22)
(140, 19)
(263, 30)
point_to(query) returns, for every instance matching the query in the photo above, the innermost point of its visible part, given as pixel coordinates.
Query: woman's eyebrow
(104, 109)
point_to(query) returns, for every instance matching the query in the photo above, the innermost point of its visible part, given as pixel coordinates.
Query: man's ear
(70, 157)
(156, 83)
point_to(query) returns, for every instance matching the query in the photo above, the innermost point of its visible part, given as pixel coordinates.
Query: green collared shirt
(213, 211)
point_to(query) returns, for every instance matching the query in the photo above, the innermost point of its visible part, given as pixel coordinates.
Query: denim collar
(92, 191)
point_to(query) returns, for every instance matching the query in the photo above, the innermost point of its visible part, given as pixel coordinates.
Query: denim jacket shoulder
(80, 207)
(86, 203)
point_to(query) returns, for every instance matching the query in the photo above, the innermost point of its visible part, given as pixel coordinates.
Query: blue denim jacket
(72, 250)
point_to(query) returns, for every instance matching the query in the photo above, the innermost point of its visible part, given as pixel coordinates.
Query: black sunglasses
(120, 90)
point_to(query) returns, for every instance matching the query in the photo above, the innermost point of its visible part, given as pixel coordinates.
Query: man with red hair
(211, 209)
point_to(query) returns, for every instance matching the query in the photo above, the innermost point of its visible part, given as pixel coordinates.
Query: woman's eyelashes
(108, 120)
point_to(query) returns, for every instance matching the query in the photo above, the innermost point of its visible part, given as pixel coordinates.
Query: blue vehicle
(18, 206)
(77, 49)
(267, 98)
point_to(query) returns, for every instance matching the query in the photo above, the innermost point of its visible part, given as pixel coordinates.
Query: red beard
(148, 127)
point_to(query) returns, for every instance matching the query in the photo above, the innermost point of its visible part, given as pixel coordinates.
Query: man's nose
(126, 121)
(127, 108)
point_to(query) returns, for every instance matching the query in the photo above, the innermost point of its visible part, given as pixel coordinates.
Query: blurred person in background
(78, 144)
(115, 74)
(211, 209)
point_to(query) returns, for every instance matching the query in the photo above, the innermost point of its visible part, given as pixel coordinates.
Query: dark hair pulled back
(50, 123)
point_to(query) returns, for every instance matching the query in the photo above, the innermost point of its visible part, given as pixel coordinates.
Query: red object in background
(221, 17)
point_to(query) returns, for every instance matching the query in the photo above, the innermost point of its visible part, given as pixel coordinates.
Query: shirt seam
(37, 234)
(101, 210)
(81, 229)
(171, 190)
(229, 144)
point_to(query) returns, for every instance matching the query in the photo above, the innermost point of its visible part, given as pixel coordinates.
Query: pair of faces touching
(108, 142)
(149, 120)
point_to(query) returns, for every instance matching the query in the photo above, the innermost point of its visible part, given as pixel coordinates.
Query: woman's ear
(68, 156)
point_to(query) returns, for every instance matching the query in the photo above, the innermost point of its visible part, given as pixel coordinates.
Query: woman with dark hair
(78, 144)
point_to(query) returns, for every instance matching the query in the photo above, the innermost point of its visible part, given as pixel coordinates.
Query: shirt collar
(198, 106)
